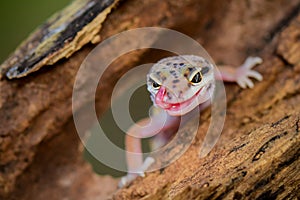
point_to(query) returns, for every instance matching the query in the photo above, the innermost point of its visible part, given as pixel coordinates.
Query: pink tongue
(159, 98)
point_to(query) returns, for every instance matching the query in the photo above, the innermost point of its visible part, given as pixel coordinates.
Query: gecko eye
(155, 81)
(196, 78)
(155, 85)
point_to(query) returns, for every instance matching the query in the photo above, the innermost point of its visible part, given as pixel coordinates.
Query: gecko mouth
(175, 106)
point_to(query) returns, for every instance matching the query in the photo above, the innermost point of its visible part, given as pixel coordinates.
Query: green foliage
(19, 18)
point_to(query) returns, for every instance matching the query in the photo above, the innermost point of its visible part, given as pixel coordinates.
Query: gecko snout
(164, 95)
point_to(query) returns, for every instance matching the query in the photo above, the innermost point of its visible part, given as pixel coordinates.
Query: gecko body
(177, 85)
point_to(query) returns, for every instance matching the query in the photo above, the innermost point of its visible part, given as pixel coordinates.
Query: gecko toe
(248, 82)
(241, 83)
(255, 74)
(251, 62)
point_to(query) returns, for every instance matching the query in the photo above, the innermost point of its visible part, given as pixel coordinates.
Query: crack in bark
(236, 148)
(263, 149)
(279, 121)
(230, 187)
(271, 195)
(283, 59)
(277, 170)
(283, 23)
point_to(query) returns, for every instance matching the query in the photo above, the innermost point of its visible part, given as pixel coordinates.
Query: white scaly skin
(177, 85)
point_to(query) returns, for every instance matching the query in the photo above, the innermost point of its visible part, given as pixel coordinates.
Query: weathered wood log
(257, 156)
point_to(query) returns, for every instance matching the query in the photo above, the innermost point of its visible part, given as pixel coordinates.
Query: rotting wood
(60, 37)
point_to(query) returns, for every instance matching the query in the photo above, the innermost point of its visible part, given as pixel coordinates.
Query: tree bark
(257, 156)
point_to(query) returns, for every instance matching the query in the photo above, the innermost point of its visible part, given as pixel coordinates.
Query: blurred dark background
(19, 18)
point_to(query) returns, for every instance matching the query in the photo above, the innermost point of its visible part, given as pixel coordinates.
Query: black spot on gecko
(204, 70)
(158, 73)
(163, 78)
(169, 95)
(175, 81)
(181, 64)
(174, 86)
(172, 71)
(190, 69)
(180, 94)
(168, 63)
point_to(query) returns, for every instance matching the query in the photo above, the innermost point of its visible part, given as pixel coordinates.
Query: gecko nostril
(169, 95)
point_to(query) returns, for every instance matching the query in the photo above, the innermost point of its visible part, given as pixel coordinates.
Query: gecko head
(178, 84)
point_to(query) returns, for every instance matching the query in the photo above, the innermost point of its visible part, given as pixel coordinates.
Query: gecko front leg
(161, 122)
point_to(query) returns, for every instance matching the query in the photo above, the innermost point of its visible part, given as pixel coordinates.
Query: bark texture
(257, 156)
